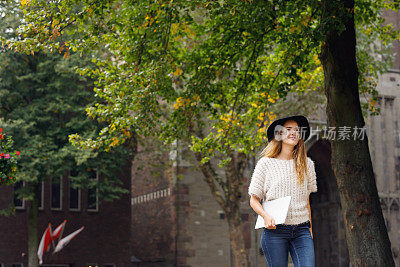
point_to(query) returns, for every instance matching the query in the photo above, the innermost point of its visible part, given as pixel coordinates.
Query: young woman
(281, 171)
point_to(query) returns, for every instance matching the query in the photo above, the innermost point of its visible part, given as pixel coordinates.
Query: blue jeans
(296, 239)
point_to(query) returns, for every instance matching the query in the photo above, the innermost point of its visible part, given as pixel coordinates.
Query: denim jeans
(296, 239)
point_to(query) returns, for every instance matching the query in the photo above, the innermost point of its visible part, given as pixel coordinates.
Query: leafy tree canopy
(42, 101)
(208, 72)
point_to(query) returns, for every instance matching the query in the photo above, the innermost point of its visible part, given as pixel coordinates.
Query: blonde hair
(273, 149)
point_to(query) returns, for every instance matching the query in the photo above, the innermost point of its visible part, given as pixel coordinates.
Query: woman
(281, 172)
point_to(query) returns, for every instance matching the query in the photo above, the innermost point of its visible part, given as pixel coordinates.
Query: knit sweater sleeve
(312, 182)
(256, 186)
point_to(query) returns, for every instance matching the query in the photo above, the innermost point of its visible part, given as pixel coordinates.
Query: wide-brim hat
(301, 121)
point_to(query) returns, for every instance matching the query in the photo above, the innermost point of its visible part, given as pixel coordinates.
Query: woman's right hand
(269, 221)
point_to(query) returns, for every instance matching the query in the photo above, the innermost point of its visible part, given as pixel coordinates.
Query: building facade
(105, 240)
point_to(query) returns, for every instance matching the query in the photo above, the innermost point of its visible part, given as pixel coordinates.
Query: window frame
(41, 204)
(79, 197)
(97, 196)
(23, 199)
(61, 194)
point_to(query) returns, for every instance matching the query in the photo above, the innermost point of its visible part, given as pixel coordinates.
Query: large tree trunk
(227, 193)
(33, 207)
(234, 175)
(366, 233)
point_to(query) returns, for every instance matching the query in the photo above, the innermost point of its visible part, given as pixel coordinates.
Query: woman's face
(291, 133)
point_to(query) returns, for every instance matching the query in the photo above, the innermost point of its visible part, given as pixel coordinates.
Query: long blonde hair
(273, 149)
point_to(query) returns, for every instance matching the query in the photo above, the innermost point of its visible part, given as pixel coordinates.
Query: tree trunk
(33, 207)
(240, 255)
(228, 197)
(366, 234)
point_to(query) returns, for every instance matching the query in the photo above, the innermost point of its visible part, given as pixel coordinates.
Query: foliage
(8, 159)
(42, 100)
(207, 72)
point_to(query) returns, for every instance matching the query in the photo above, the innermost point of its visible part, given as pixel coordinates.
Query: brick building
(104, 242)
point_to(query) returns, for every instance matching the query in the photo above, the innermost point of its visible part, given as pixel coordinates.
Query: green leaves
(42, 101)
(202, 72)
(8, 159)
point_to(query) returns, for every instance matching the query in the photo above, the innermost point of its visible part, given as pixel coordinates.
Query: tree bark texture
(227, 193)
(366, 234)
(240, 254)
(33, 208)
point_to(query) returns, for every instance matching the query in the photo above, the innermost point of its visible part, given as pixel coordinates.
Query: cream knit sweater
(275, 178)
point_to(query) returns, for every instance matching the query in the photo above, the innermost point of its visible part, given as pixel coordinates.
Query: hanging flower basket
(8, 159)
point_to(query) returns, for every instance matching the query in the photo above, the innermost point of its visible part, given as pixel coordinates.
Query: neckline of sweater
(285, 160)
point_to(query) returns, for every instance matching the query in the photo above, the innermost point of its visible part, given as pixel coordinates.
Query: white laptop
(277, 208)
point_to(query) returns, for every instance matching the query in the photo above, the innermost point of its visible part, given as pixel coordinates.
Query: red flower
(18, 153)
(1, 129)
(1, 136)
(1, 154)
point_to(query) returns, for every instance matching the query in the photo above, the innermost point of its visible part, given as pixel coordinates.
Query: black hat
(301, 121)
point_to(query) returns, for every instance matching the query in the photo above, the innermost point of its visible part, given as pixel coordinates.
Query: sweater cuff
(257, 193)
